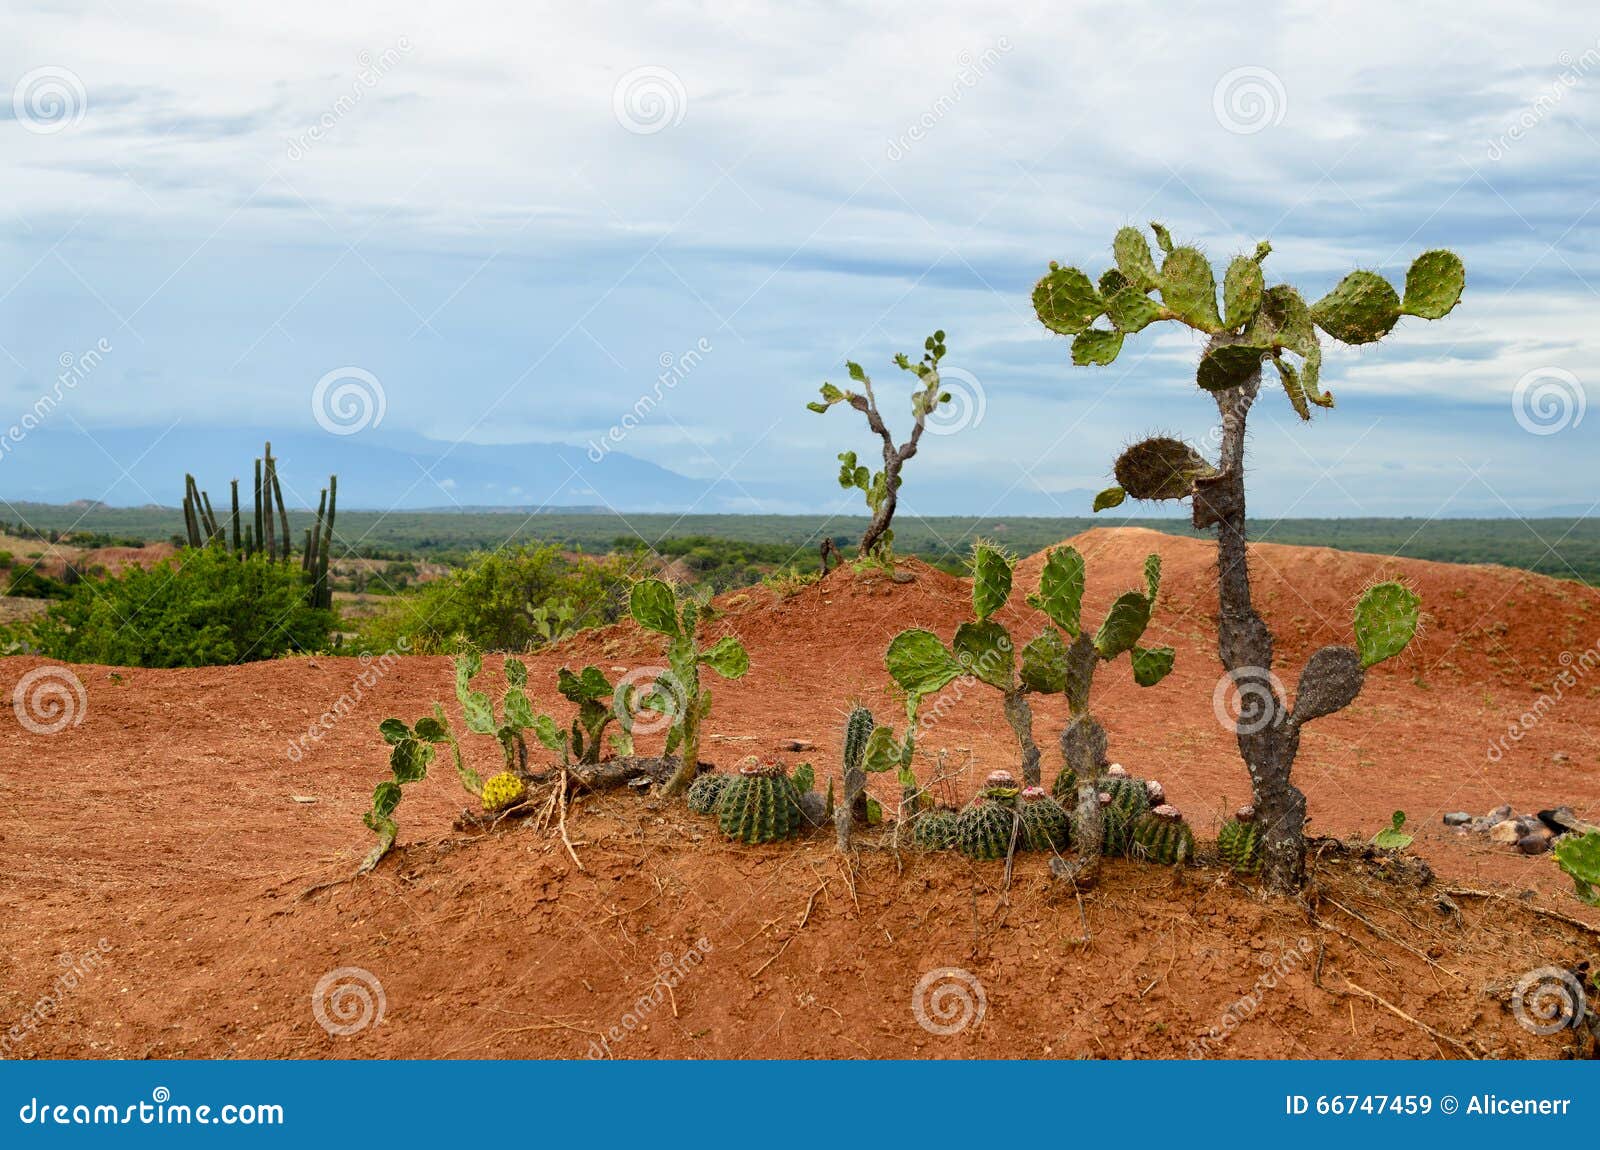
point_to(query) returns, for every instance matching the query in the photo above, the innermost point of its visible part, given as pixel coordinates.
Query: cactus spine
(759, 805)
(706, 791)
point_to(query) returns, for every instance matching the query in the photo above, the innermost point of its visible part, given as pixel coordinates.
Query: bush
(491, 602)
(196, 609)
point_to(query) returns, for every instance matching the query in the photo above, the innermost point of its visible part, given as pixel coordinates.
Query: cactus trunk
(1020, 715)
(238, 539)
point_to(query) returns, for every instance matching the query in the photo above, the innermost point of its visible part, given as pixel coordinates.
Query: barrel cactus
(935, 829)
(759, 805)
(1065, 788)
(1128, 800)
(1045, 823)
(706, 791)
(983, 829)
(1161, 836)
(502, 791)
(1239, 842)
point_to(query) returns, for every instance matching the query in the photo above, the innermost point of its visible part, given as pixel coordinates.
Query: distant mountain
(130, 467)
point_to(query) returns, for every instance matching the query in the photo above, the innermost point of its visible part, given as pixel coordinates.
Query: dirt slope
(173, 822)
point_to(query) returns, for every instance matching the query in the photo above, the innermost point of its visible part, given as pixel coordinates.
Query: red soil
(173, 823)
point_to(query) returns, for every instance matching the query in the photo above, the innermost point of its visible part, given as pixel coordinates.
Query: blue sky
(507, 219)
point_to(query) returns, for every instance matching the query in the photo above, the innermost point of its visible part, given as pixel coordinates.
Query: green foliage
(935, 829)
(195, 609)
(706, 792)
(1393, 836)
(411, 749)
(516, 716)
(759, 806)
(591, 690)
(1579, 857)
(657, 606)
(1386, 619)
(1046, 825)
(1239, 843)
(1161, 836)
(983, 828)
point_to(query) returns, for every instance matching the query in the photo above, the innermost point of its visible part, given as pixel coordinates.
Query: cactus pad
(935, 830)
(1579, 856)
(502, 791)
(1161, 836)
(759, 805)
(706, 791)
(1433, 284)
(1045, 823)
(1189, 289)
(1160, 468)
(1363, 308)
(983, 829)
(1241, 291)
(1133, 258)
(1386, 620)
(1066, 300)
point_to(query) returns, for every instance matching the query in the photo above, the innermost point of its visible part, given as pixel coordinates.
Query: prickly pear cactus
(1128, 800)
(1161, 836)
(1045, 823)
(759, 805)
(502, 791)
(1386, 619)
(1239, 842)
(1579, 856)
(935, 829)
(706, 791)
(983, 829)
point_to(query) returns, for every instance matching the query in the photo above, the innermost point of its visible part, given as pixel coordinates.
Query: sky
(494, 224)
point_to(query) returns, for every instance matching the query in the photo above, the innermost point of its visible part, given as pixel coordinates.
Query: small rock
(799, 745)
(814, 808)
(1457, 819)
(1535, 844)
(1506, 831)
(1559, 757)
(1500, 814)
(1561, 819)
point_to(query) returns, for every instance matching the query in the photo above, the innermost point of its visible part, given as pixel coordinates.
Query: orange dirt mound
(184, 815)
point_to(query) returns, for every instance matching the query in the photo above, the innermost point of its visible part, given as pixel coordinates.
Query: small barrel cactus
(1239, 842)
(1065, 788)
(759, 805)
(983, 829)
(706, 791)
(1161, 836)
(935, 829)
(1046, 825)
(1129, 800)
(502, 791)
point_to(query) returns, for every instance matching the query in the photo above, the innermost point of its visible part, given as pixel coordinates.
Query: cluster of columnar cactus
(656, 606)
(267, 536)
(1254, 325)
(1161, 836)
(1239, 842)
(759, 805)
(882, 488)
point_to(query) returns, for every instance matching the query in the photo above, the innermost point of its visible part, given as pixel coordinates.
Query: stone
(1457, 819)
(1560, 757)
(799, 745)
(1536, 843)
(1561, 820)
(814, 808)
(1500, 814)
(1505, 831)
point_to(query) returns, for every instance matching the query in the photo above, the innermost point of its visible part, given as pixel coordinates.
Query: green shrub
(195, 609)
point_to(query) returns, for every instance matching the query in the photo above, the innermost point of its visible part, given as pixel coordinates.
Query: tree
(1256, 324)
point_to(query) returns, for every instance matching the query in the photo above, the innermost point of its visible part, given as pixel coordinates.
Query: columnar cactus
(706, 791)
(656, 607)
(1161, 836)
(882, 488)
(1239, 842)
(855, 807)
(1255, 325)
(1045, 823)
(759, 805)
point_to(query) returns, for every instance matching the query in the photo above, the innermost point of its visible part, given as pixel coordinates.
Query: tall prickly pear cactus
(656, 606)
(1257, 324)
(882, 488)
(857, 730)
